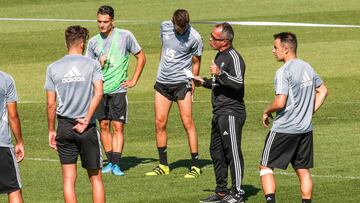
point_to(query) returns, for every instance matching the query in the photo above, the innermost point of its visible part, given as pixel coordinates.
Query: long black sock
(163, 155)
(116, 158)
(195, 159)
(109, 156)
(306, 200)
(270, 198)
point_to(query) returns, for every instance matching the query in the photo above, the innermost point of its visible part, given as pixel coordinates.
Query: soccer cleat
(233, 198)
(214, 198)
(159, 170)
(107, 168)
(193, 172)
(117, 171)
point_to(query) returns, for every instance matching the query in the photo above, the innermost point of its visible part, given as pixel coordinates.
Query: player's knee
(104, 125)
(160, 124)
(266, 171)
(188, 123)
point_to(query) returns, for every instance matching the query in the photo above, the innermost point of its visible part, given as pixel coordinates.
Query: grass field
(27, 47)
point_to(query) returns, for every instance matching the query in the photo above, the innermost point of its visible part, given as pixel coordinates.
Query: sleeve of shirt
(232, 73)
(132, 44)
(198, 45)
(281, 82)
(161, 31)
(11, 95)
(97, 75)
(49, 83)
(90, 53)
(207, 83)
(317, 80)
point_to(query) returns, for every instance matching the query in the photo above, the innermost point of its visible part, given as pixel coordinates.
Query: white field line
(291, 24)
(69, 20)
(210, 167)
(245, 23)
(199, 101)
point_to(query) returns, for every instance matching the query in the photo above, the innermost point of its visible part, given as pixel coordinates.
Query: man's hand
(128, 84)
(214, 69)
(265, 119)
(198, 81)
(19, 151)
(102, 60)
(81, 125)
(52, 142)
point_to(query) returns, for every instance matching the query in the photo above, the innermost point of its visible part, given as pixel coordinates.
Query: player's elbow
(13, 116)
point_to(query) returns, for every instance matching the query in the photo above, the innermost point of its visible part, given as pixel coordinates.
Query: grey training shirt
(72, 78)
(297, 80)
(7, 95)
(177, 52)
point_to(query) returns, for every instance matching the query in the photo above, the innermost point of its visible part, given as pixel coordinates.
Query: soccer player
(9, 156)
(299, 93)
(181, 51)
(112, 47)
(229, 115)
(75, 83)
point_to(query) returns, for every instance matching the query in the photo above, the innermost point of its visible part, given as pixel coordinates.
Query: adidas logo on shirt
(225, 133)
(73, 75)
(306, 81)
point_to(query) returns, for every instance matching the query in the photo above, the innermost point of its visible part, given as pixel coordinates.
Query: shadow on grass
(250, 190)
(187, 163)
(128, 162)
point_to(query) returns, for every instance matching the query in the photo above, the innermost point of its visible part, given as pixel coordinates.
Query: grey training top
(177, 52)
(7, 95)
(297, 80)
(72, 78)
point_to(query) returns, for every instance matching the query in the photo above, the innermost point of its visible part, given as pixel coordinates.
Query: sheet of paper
(188, 73)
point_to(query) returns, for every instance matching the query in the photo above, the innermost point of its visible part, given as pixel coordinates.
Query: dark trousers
(225, 150)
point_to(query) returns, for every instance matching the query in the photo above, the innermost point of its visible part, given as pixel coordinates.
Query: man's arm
(15, 126)
(225, 79)
(141, 61)
(51, 114)
(196, 62)
(320, 96)
(98, 94)
(278, 104)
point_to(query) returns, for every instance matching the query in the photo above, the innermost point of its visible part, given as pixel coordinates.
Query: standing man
(299, 93)
(9, 157)
(112, 47)
(76, 83)
(181, 51)
(229, 115)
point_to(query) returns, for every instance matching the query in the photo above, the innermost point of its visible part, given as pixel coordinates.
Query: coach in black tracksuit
(229, 112)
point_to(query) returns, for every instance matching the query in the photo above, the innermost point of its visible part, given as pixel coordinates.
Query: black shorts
(71, 144)
(173, 92)
(280, 149)
(9, 170)
(113, 107)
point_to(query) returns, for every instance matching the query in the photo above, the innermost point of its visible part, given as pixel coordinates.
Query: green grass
(28, 47)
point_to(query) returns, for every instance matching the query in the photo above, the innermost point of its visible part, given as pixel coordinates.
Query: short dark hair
(76, 34)
(106, 10)
(288, 38)
(227, 31)
(181, 18)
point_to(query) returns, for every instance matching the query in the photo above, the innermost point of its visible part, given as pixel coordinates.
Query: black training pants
(225, 150)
